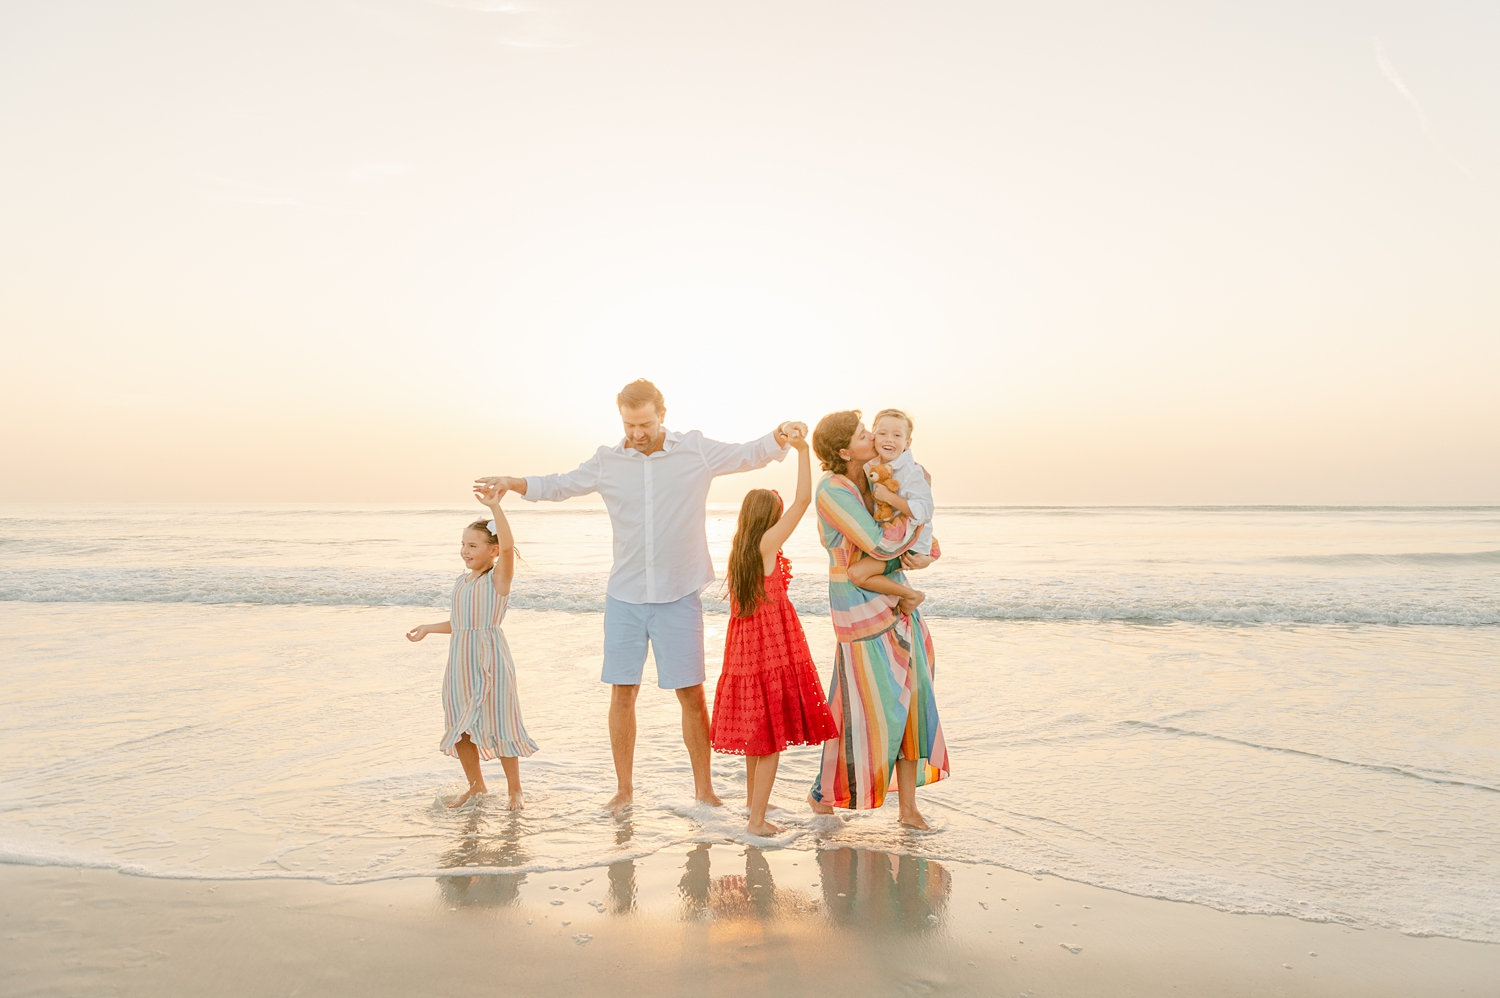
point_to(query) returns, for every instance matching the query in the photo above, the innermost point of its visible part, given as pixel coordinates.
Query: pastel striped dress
(479, 687)
(881, 691)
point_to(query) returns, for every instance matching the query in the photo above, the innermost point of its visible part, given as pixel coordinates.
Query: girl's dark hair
(747, 571)
(833, 433)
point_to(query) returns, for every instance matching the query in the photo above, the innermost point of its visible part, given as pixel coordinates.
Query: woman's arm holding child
(505, 565)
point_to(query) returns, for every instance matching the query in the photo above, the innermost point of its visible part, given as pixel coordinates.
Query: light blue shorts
(673, 630)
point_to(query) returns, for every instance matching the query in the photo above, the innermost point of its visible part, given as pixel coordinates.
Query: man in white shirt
(654, 484)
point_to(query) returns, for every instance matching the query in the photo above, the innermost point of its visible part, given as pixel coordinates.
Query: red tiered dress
(769, 695)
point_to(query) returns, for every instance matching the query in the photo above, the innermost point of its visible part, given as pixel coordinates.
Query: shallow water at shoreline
(1334, 774)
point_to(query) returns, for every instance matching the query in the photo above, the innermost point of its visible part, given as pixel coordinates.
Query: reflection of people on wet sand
(694, 883)
(883, 890)
(752, 897)
(621, 897)
(475, 848)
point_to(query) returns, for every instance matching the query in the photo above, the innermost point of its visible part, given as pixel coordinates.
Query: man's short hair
(641, 392)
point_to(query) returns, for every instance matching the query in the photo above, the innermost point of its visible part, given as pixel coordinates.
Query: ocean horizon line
(443, 506)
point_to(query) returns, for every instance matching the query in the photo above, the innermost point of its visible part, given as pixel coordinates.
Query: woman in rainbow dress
(881, 692)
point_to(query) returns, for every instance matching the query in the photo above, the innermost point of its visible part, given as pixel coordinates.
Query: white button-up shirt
(656, 508)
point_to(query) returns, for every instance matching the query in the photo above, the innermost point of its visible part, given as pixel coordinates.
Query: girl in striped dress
(481, 710)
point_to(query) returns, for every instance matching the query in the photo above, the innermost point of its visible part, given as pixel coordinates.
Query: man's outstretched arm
(504, 484)
(726, 459)
(552, 488)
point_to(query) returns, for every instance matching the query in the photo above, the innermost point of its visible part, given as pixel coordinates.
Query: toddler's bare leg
(869, 574)
(865, 570)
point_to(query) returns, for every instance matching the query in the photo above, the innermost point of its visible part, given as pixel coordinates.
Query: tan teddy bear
(880, 474)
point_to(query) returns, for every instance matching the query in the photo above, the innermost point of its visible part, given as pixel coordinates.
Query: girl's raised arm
(777, 535)
(505, 565)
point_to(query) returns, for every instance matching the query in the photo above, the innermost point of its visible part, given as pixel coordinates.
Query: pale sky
(365, 250)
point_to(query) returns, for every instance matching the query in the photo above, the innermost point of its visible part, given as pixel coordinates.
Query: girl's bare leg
(750, 761)
(760, 794)
(906, 795)
(512, 767)
(468, 757)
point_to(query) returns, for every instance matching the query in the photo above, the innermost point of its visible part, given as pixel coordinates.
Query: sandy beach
(723, 920)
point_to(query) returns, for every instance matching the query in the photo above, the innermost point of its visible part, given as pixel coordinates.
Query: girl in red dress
(768, 695)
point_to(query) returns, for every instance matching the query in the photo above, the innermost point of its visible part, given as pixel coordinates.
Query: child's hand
(796, 435)
(882, 493)
(417, 633)
(490, 492)
(788, 430)
(502, 483)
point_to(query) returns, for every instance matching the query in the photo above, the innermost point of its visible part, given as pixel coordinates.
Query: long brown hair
(747, 571)
(833, 433)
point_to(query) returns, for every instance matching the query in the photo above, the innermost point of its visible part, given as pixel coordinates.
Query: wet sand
(722, 919)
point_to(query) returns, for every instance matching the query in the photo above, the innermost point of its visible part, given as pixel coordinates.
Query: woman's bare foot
(914, 819)
(764, 829)
(475, 789)
(909, 603)
(516, 802)
(620, 801)
(818, 807)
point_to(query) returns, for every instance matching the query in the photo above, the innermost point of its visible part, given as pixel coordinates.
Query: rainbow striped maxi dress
(479, 687)
(881, 691)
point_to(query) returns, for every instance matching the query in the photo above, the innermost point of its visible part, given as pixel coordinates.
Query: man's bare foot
(818, 807)
(464, 798)
(711, 798)
(765, 829)
(620, 801)
(516, 802)
(914, 819)
(909, 603)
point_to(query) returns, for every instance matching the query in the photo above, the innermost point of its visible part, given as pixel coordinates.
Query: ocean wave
(1158, 600)
(1415, 558)
(1441, 779)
